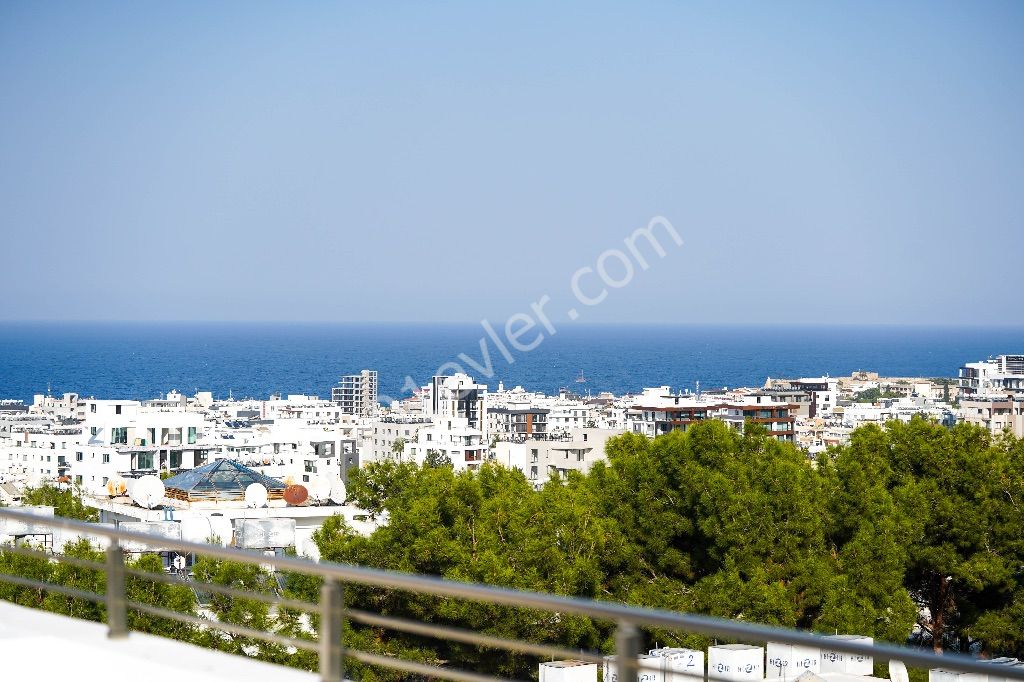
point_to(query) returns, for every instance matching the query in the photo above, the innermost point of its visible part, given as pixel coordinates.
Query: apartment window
(79, 457)
(117, 409)
(191, 435)
(92, 408)
(106, 458)
(119, 435)
(175, 459)
(105, 479)
(93, 430)
(144, 460)
(78, 480)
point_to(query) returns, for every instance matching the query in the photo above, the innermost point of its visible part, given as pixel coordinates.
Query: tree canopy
(910, 531)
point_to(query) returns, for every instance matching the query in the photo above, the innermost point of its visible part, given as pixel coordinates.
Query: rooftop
(29, 640)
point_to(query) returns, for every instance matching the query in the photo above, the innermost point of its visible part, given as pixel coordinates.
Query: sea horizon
(142, 359)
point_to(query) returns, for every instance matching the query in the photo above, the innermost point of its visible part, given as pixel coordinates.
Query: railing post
(117, 603)
(332, 624)
(627, 649)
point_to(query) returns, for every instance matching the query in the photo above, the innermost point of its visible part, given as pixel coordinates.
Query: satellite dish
(319, 488)
(147, 492)
(338, 492)
(898, 672)
(255, 495)
(295, 494)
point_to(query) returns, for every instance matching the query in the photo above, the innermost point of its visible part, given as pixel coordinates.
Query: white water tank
(650, 669)
(736, 662)
(681, 665)
(790, 661)
(568, 671)
(850, 664)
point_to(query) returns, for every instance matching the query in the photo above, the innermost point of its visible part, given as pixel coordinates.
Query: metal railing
(333, 612)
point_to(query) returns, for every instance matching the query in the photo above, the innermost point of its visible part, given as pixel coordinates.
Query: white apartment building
(451, 437)
(382, 434)
(898, 409)
(1003, 375)
(538, 460)
(458, 396)
(108, 438)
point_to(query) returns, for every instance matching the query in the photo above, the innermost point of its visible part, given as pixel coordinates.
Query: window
(78, 480)
(117, 409)
(119, 435)
(106, 458)
(144, 460)
(105, 479)
(92, 408)
(191, 435)
(94, 430)
(78, 457)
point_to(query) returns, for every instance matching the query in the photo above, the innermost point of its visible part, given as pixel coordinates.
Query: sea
(128, 360)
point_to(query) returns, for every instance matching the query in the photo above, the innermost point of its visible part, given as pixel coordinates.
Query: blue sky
(824, 162)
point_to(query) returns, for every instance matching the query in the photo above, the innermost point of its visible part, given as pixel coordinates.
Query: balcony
(44, 644)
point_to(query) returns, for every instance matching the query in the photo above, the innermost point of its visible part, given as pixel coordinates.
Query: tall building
(459, 396)
(357, 393)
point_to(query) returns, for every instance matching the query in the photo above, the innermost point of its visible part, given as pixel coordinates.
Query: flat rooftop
(41, 645)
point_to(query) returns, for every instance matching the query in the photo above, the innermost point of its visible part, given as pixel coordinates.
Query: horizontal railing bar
(430, 671)
(200, 586)
(468, 636)
(51, 587)
(644, 617)
(62, 558)
(234, 629)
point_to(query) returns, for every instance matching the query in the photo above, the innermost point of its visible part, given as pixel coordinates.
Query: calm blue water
(128, 360)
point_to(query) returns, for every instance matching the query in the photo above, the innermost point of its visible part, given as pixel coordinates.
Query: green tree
(66, 502)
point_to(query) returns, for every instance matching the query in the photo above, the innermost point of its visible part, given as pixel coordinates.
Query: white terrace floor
(36, 645)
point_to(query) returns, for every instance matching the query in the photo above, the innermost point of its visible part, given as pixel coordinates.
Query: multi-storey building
(658, 411)
(576, 450)
(1003, 375)
(995, 413)
(389, 436)
(356, 394)
(452, 437)
(518, 423)
(458, 396)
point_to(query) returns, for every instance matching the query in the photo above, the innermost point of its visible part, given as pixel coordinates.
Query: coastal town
(111, 451)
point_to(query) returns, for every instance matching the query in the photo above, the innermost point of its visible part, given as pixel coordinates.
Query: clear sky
(823, 162)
